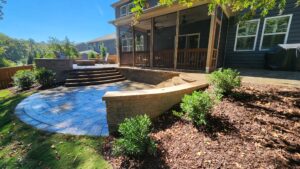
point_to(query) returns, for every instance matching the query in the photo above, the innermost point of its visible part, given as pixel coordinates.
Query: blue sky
(79, 20)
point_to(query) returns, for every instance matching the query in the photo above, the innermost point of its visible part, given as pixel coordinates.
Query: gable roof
(104, 38)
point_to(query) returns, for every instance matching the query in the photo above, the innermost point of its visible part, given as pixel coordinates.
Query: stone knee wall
(153, 102)
(61, 67)
(148, 76)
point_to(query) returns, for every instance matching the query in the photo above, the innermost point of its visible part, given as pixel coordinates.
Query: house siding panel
(255, 59)
(151, 3)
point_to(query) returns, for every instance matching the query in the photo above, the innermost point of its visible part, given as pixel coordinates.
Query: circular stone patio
(76, 111)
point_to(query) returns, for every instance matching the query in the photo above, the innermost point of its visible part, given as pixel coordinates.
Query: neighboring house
(82, 47)
(109, 42)
(180, 37)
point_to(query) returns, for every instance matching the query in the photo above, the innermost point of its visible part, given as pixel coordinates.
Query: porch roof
(162, 10)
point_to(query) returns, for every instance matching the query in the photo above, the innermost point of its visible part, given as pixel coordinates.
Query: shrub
(23, 79)
(197, 106)
(224, 81)
(135, 140)
(45, 77)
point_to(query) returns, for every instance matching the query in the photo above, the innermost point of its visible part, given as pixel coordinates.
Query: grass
(22, 146)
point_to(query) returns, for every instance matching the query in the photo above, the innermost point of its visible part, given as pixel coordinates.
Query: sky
(79, 20)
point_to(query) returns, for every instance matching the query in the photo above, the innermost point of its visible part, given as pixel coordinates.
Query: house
(187, 38)
(109, 41)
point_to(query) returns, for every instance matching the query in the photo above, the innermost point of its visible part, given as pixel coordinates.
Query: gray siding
(255, 59)
(151, 3)
(109, 44)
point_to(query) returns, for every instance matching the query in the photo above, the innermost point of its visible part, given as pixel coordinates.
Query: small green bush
(24, 79)
(197, 106)
(224, 81)
(135, 140)
(45, 77)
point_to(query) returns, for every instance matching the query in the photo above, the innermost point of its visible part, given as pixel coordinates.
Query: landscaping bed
(258, 126)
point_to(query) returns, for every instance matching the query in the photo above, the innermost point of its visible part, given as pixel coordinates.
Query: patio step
(86, 77)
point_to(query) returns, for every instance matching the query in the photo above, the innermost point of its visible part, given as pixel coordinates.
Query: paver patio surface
(76, 111)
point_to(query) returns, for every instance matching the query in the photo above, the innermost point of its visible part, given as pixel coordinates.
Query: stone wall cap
(115, 95)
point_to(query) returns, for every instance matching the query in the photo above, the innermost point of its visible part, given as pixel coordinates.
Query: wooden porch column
(152, 42)
(211, 41)
(176, 40)
(118, 46)
(133, 45)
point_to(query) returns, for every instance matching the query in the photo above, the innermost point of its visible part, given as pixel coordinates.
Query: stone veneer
(153, 102)
(148, 76)
(60, 66)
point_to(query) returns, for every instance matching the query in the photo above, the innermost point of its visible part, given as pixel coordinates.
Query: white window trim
(128, 12)
(255, 41)
(140, 46)
(277, 33)
(126, 46)
(191, 34)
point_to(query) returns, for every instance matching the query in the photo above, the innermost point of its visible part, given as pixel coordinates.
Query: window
(246, 35)
(275, 31)
(126, 40)
(189, 41)
(139, 42)
(126, 9)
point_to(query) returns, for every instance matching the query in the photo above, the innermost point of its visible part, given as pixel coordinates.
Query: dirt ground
(256, 127)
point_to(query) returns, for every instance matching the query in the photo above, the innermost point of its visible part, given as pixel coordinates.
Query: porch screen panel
(164, 37)
(126, 45)
(142, 43)
(193, 38)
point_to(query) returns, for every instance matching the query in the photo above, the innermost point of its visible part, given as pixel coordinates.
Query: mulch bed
(256, 127)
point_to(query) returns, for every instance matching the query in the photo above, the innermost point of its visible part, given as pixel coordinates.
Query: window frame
(140, 47)
(189, 35)
(277, 33)
(246, 36)
(127, 11)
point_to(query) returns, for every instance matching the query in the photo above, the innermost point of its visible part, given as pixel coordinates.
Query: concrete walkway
(260, 76)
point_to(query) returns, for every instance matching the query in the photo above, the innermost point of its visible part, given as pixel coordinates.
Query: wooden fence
(7, 73)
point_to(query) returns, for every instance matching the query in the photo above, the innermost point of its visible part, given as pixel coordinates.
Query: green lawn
(22, 146)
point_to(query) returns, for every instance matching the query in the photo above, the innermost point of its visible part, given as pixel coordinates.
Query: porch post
(176, 40)
(152, 42)
(118, 45)
(133, 45)
(210, 44)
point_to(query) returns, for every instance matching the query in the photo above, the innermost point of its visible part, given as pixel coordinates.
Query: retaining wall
(148, 76)
(153, 102)
(61, 67)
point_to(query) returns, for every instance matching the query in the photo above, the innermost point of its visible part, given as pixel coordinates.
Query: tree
(249, 8)
(103, 50)
(2, 2)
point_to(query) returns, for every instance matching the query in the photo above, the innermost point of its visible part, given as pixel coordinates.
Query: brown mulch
(256, 127)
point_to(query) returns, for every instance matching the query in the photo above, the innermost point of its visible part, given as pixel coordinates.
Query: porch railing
(194, 59)
(142, 59)
(164, 59)
(126, 59)
(214, 58)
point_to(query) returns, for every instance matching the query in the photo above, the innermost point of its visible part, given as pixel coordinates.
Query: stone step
(92, 72)
(73, 84)
(93, 75)
(91, 79)
(93, 69)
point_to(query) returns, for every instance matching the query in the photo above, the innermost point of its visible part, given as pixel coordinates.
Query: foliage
(135, 140)
(6, 63)
(91, 55)
(26, 147)
(64, 47)
(103, 50)
(24, 79)
(45, 77)
(2, 2)
(248, 8)
(197, 106)
(224, 81)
